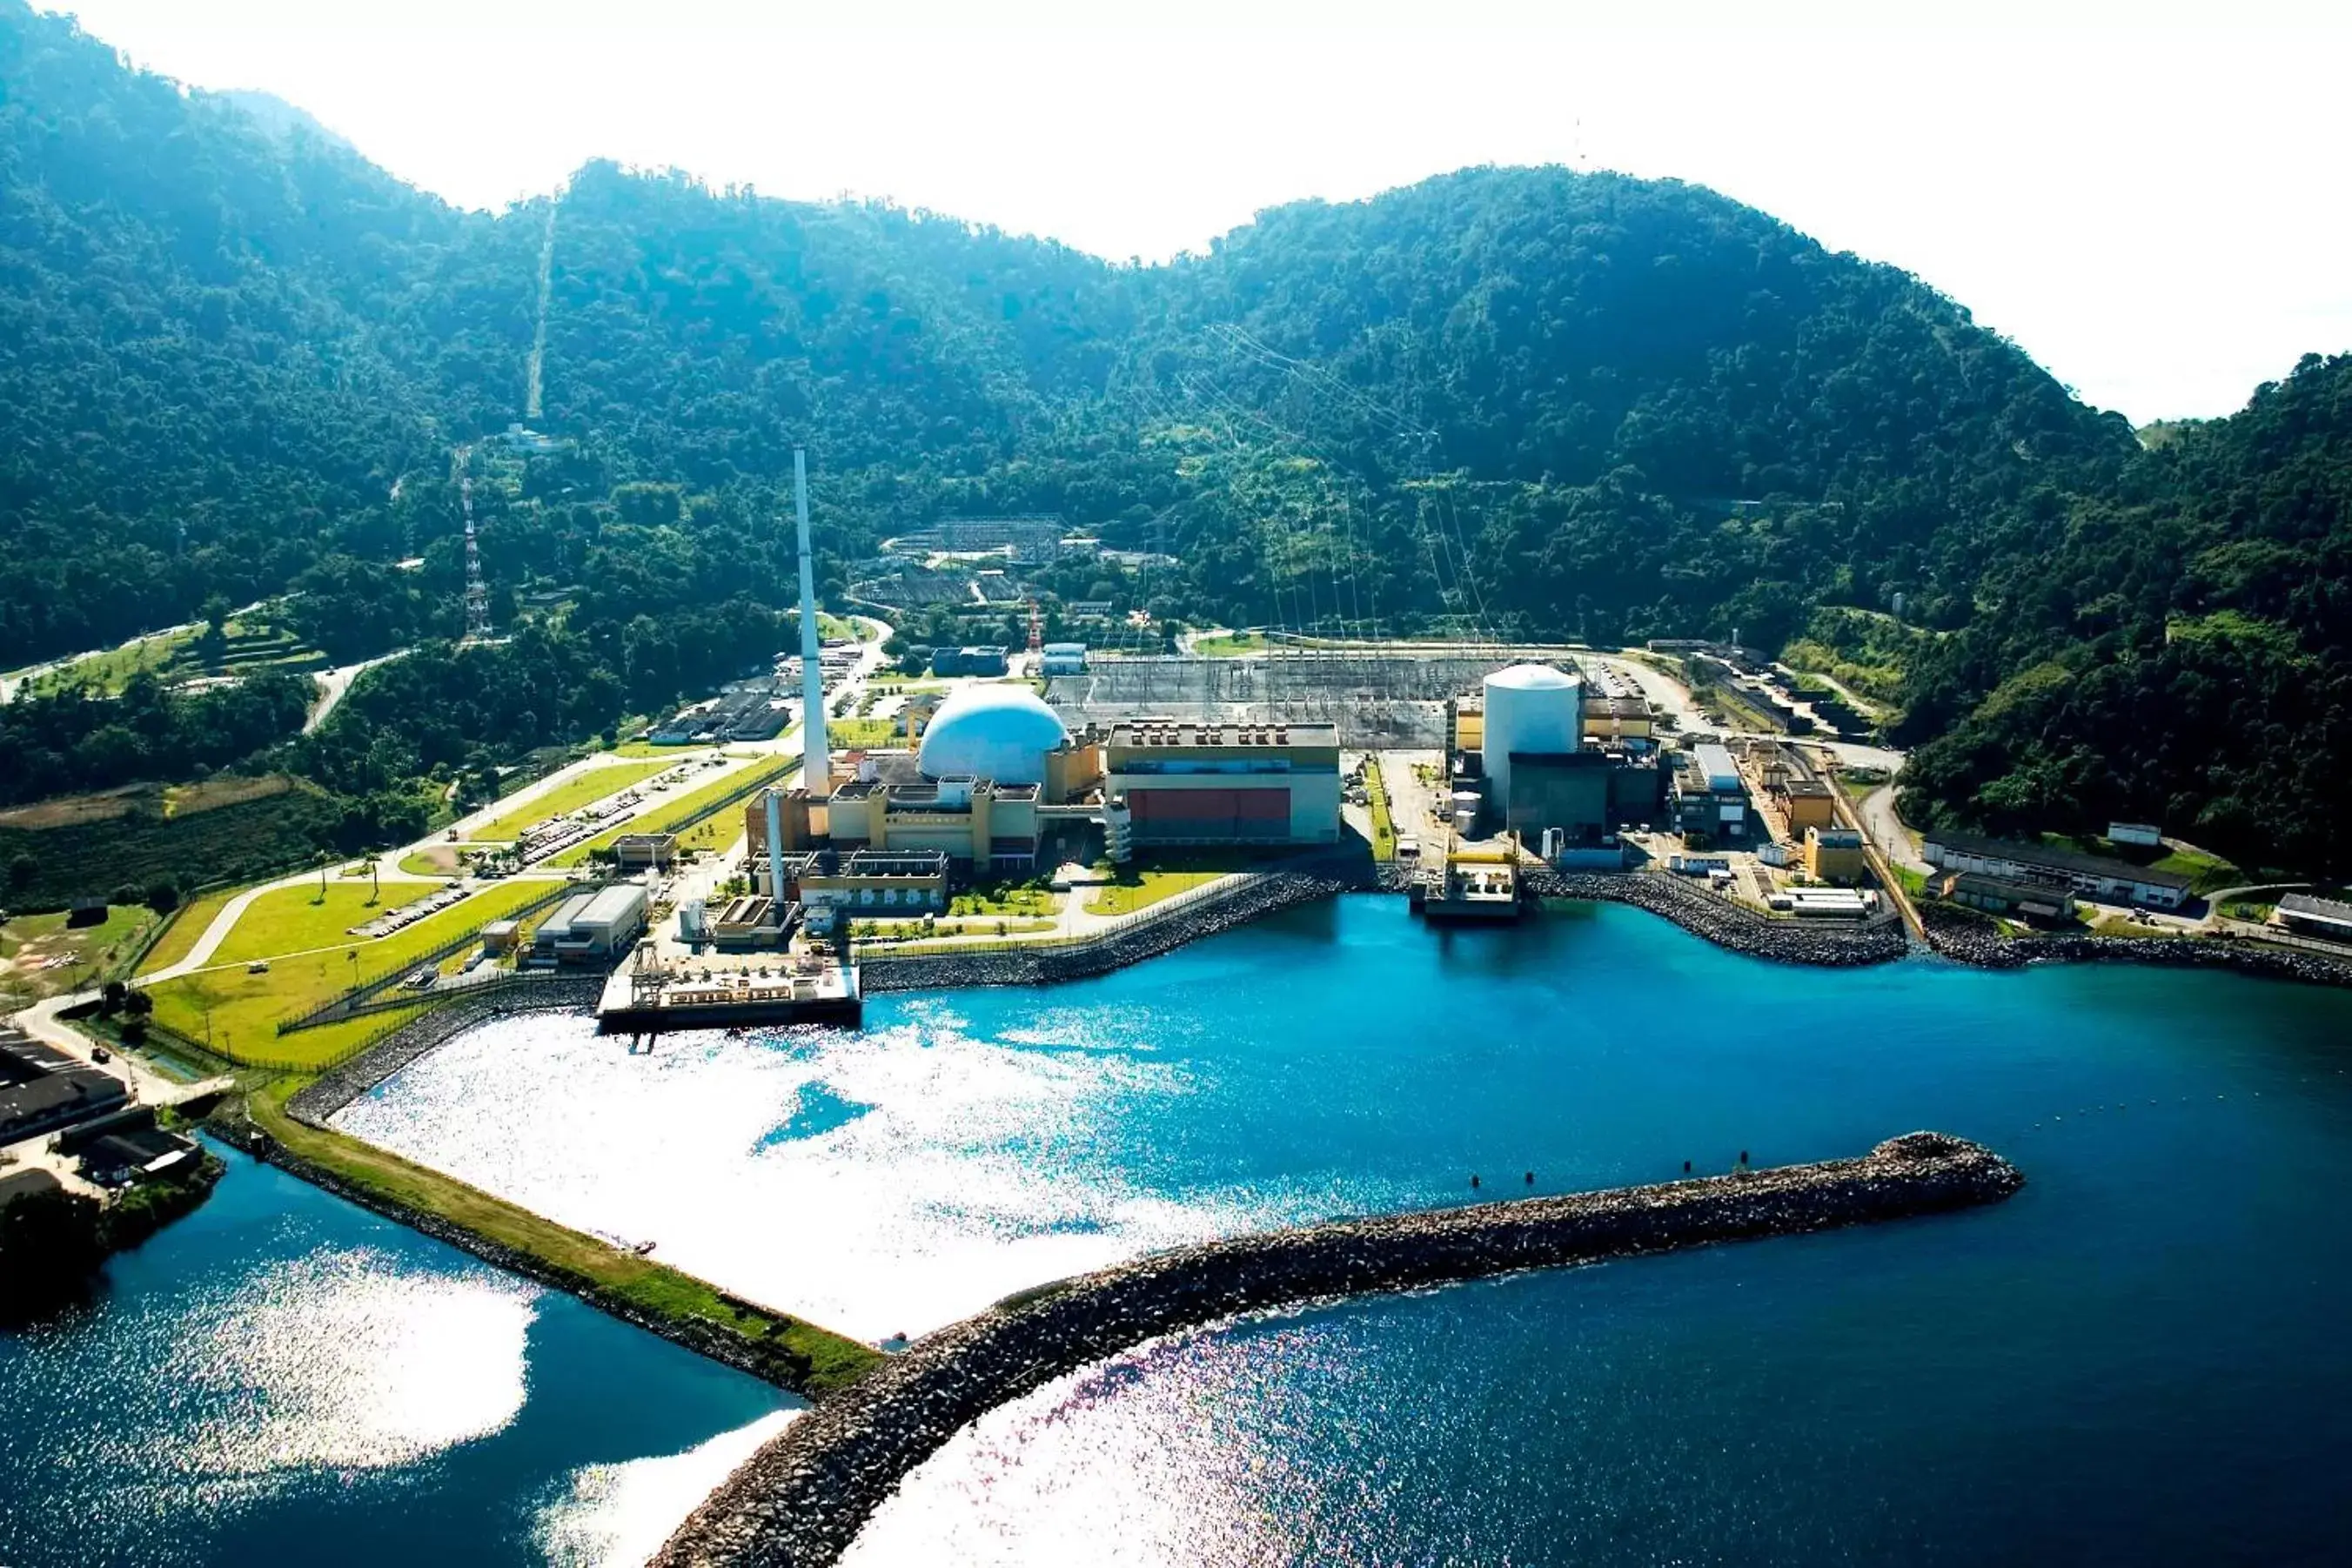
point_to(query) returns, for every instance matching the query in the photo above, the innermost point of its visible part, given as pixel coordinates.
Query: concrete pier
(802, 1497)
(639, 1003)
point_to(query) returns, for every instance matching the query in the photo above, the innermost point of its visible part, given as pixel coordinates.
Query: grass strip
(797, 1354)
(594, 784)
(1384, 834)
(685, 811)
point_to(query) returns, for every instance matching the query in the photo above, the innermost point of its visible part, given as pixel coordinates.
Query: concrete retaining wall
(801, 1498)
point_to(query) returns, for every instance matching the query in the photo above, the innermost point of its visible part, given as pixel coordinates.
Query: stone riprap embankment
(1725, 924)
(801, 1499)
(338, 1087)
(1991, 950)
(878, 971)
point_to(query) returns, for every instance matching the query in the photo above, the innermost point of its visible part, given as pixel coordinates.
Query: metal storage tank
(1531, 708)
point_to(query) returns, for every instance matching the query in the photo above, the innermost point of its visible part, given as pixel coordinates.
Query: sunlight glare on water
(939, 1170)
(617, 1515)
(338, 1360)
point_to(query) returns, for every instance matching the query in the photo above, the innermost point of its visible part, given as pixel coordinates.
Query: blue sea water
(2142, 1358)
(2146, 1357)
(282, 1377)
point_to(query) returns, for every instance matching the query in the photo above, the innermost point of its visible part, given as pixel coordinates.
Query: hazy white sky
(2150, 199)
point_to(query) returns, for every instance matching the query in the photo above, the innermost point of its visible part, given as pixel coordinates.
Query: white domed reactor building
(988, 758)
(1533, 709)
(1000, 733)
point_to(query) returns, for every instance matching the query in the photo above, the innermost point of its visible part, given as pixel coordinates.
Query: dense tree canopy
(235, 359)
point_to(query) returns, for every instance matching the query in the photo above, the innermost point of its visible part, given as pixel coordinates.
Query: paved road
(333, 683)
(1885, 827)
(147, 1087)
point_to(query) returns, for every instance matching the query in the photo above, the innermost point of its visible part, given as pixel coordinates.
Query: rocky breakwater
(1990, 949)
(1724, 923)
(804, 1497)
(1010, 964)
(340, 1086)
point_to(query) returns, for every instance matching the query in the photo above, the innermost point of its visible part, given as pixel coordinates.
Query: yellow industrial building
(1834, 855)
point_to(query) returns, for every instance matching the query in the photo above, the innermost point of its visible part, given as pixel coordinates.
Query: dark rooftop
(25, 1184)
(2057, 859)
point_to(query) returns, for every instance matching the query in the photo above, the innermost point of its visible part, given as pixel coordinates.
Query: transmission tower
(478, 596)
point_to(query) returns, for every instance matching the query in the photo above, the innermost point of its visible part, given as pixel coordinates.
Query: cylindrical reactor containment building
(1532, 709)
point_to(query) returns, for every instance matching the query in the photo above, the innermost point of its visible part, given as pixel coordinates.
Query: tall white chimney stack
(817, 759)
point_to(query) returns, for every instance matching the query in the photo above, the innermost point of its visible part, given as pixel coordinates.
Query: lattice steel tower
(478, 594)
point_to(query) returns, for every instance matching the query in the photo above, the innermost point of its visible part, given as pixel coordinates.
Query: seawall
(1988, 949)
(801, 1499)
(1275, 891)
(1838, 945)
(338, 1087)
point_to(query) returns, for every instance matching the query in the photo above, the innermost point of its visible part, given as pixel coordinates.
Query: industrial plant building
(1225, 784)
(592, 928)
(42, 1090)
(2089, 875)
(1834, 855)
(972, 660)
(1709, 797)
(996, 772)
(2309, 915)
(2023, 900)
(1537, 754)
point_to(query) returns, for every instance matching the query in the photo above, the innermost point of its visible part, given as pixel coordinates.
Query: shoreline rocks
(1984, 949)
(881, 974)
(337, 1088)
(802, 1497)
(1842, 946)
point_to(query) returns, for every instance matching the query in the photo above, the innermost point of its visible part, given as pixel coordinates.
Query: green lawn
(110, 671)
(187, 925)
(1226, 645)
(833, 1361)
(845, 734)
(671, 816)
(295, 918)
(1139, 890)
(1001, 899)
(904, 936)
(1384, 834)
(647, 749)
(2206, 873)
(28, 941)
(233, 1012)
(590, 787)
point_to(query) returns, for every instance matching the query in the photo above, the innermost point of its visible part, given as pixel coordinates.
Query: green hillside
(236, 358)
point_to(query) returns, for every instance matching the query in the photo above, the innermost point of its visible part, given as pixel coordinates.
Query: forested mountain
(235, 359)
(2176, 649)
